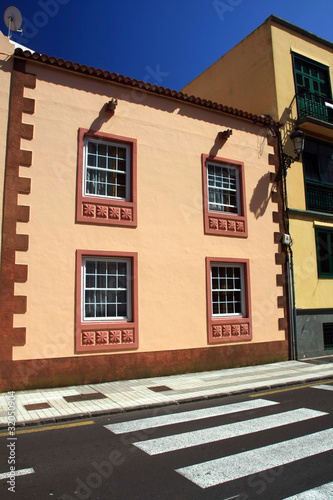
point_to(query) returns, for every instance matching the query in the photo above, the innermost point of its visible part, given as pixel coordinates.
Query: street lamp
(298, 138)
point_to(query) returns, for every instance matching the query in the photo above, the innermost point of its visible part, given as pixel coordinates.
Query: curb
(195, 399)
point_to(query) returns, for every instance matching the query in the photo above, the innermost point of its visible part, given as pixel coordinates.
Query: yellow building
(285, 72)
(139, 229)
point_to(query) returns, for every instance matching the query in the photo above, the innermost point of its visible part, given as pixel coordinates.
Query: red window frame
(229, 328)
(224, 223)
(99, 336)
(106, 210)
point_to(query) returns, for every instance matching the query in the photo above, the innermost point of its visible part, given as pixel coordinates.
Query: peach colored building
(139, 229)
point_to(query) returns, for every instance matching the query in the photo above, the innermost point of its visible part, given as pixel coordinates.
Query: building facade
(140, 229)
(285, 72)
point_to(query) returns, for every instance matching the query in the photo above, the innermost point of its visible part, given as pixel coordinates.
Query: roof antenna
(13, 20)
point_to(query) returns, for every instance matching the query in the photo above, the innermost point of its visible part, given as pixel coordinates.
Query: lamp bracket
(288, 160)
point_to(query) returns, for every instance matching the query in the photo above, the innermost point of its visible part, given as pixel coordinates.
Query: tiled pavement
(64, 403)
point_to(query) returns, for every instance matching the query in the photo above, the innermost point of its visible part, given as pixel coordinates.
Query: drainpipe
(290, 277)
(292, 304)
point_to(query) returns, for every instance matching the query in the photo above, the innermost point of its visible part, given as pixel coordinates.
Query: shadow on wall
(102, 118)
(261, 196)
(218, 144)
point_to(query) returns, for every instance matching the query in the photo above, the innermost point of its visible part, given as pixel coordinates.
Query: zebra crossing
(227, 468)
(235, 466)
(210, 435)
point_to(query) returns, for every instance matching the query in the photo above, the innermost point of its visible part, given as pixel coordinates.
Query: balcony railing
(310, 104)
(319, 197)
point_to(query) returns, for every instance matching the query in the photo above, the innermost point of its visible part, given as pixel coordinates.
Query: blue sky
(164, 42)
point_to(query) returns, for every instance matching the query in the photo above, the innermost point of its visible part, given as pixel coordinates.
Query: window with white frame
(107, 166)
(106, 289)
(227, 289)
(223, 189)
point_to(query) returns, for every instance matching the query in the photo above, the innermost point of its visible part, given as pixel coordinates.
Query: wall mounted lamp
(225, 134)
(298, 139)
(111, 106)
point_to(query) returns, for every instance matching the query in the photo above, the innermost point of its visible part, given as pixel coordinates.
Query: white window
(227, 289)
(106, 289)
(107, 169)
(223, 190)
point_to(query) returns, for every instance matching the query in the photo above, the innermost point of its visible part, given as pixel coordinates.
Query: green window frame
(324, 245)
(318, 175)
(311, 75)
(313, 88)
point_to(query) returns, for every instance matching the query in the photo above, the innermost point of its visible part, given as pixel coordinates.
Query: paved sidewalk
(65, 403)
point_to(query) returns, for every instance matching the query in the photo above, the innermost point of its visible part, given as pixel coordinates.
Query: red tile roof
(139, 84)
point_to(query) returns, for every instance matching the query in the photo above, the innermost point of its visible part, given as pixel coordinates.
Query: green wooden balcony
(315, 106)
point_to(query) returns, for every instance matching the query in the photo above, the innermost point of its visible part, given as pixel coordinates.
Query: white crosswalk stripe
(243, 464)
(324, 492)
(238, 465)
(324, 387)
(213, 434)
(185, 416)
(19, 472)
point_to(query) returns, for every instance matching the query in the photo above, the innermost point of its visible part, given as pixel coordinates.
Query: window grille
(328, 335)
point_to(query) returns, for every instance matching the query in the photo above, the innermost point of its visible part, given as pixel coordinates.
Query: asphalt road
(272, 445)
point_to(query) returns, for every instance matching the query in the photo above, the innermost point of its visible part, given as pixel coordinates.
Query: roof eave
(144, 86)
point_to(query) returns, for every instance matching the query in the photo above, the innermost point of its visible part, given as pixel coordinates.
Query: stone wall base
(78, 370)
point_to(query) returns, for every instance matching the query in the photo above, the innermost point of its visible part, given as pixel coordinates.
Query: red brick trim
(94, 210)
(232, 329)
(106, 335)
(278, 218)
(220, 223)
(11, 272)
(77, 370)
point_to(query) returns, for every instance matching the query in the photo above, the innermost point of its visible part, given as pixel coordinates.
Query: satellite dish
(13, 19)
